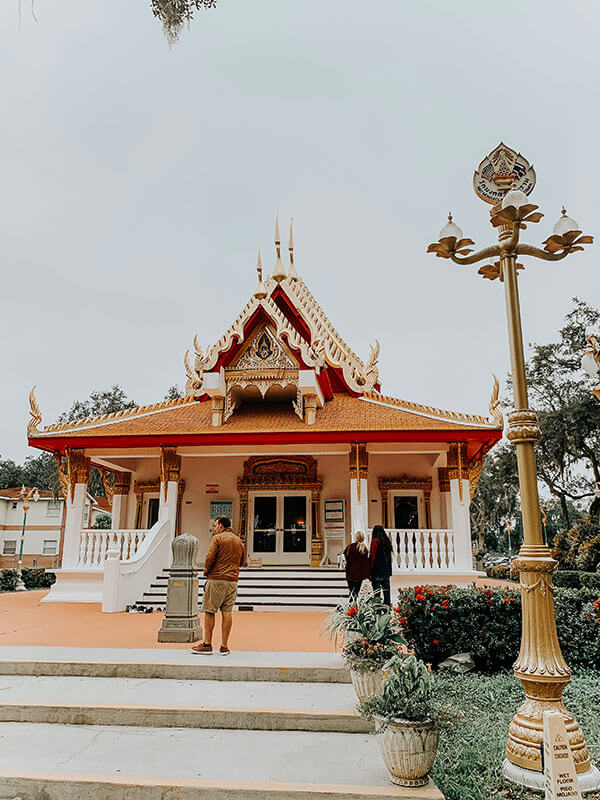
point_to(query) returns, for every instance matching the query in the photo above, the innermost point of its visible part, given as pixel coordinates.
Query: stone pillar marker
(561, 778)
(181, 622)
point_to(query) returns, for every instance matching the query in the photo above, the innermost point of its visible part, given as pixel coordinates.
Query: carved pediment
(264, 352)
(283, 470)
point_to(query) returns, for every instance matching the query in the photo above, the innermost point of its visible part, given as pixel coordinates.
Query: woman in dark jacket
(358, 565)
(381, 562)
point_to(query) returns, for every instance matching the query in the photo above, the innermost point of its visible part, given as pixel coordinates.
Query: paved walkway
(24, 620)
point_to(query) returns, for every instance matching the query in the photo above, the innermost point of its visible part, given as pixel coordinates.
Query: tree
(100, 402)
(11, 474)
(568, 452)
(496, 499)
(41, 471)
(174, 393)
(174, 14)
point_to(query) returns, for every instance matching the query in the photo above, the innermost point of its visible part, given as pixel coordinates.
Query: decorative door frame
(280, 474)
(405, 483)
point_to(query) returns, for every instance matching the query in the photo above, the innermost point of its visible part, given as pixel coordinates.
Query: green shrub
(8, 580)
(38, 578)
(440, 621)
(574, 579)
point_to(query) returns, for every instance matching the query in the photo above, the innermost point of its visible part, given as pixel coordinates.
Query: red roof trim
(58, 443)
(291, 313)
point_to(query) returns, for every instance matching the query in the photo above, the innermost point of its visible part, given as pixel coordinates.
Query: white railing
(422, 549)
(94, 544)
(126, 579)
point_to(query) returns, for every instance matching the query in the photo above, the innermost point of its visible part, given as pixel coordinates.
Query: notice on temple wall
(559, 767)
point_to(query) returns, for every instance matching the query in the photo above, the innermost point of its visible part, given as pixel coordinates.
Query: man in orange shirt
(226, 554)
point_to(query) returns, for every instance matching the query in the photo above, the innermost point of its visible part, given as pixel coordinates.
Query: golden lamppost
(504, 179)
(27, 495)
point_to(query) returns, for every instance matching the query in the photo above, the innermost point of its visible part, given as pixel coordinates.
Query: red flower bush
(440, 621)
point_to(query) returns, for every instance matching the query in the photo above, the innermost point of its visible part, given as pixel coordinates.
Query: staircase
(270, 588)
(100, 724)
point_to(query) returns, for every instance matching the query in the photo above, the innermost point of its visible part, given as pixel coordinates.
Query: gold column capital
(522, 426)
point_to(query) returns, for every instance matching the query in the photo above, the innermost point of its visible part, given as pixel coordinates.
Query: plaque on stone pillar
(559, 766)
(181, 622)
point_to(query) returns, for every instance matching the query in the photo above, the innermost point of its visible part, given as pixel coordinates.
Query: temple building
(285, 429)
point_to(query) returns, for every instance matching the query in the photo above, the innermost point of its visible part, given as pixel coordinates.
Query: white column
(168, 503)
(75, 509)
(435, 502)
(461, 524)
(118, 505)
(359, 508)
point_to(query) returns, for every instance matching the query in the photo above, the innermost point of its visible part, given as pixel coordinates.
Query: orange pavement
(26, 621)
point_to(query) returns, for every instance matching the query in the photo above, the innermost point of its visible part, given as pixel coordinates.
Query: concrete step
(65, 762)
(171, 663)
(182, 704)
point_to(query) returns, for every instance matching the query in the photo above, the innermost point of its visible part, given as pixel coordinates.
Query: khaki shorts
(219, 596)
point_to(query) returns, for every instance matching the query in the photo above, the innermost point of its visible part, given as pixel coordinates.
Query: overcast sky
(138, 181)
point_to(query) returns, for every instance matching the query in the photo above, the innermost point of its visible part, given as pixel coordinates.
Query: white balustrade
(422, 549)
(94, 544)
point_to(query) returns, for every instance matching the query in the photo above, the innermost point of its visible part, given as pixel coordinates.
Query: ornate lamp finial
(278, 270)
(260, 290)
(292, 274)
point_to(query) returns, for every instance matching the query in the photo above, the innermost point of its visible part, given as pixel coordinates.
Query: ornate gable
(264, 352)
(281, 330)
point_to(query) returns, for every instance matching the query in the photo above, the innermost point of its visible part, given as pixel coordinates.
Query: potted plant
(371, 636)
(407, 716)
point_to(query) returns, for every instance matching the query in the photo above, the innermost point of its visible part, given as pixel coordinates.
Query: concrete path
(172, 703)
(175, 664)
(214, 763)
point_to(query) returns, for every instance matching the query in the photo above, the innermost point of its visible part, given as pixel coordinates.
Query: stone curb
(265, 719)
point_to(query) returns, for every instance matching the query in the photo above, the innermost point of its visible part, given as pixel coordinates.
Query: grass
(471, 753)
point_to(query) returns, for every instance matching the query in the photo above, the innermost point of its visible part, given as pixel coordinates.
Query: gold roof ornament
(278, 269)
(260, 292)
(35, 414)
(292, 274)
(194, 381)
(496, 414)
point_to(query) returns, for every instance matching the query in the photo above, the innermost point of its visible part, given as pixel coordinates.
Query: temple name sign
(559, 767)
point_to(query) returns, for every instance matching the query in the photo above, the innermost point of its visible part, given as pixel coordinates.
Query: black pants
(382, 586)
(354, 588)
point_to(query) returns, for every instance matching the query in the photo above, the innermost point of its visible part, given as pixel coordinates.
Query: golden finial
(496, 414)
(35, 414)
(278, 270)
(260, 290)
(292, 274)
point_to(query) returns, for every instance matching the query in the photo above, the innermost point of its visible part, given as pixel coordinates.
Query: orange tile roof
(372, 412)
(15, 494)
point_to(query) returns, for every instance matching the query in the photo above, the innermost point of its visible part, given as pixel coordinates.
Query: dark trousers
(354, 589)
(382, 586)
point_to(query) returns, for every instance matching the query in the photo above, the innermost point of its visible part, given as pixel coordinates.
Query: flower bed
(441, 621)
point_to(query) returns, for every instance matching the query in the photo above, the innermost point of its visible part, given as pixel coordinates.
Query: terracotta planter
(366, 684)
(408, 749)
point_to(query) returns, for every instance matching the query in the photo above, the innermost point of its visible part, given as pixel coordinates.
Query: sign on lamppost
(501, 171)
